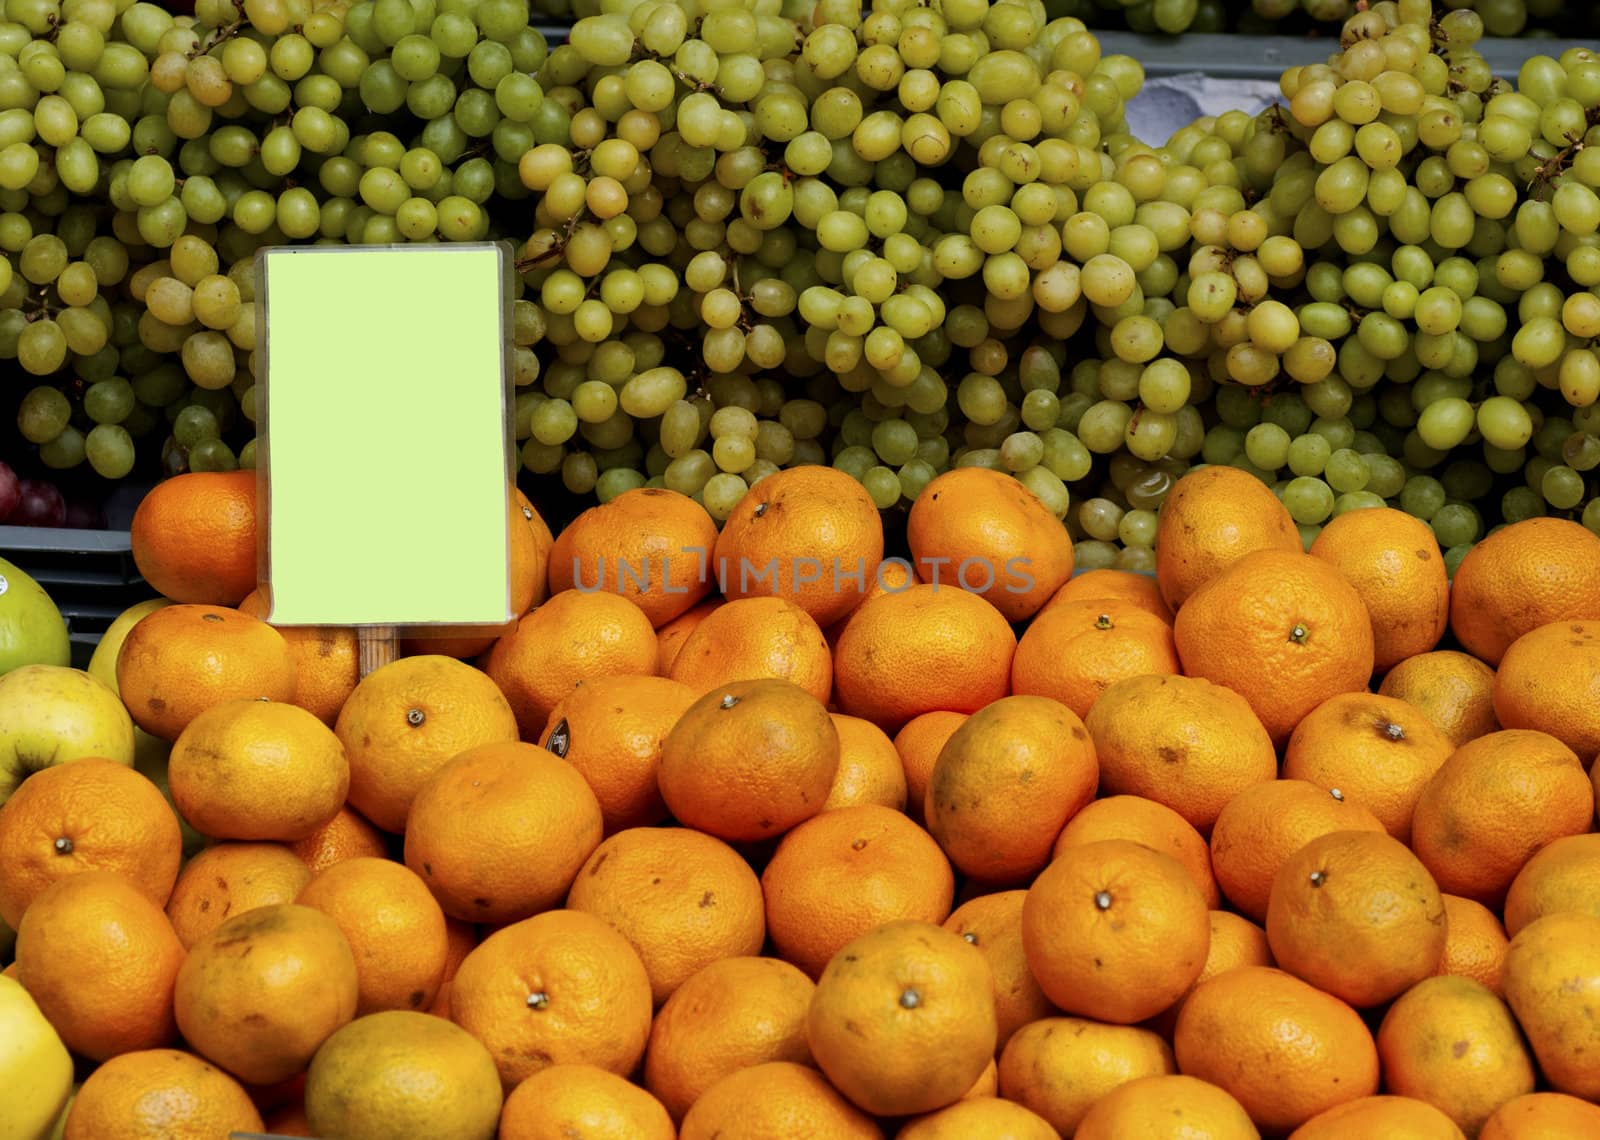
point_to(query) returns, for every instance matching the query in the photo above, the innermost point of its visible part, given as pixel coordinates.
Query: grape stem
(220, 35)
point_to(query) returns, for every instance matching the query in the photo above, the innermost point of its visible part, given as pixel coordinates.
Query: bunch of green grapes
(1504, 18)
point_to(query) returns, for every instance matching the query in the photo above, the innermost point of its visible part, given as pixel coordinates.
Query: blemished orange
(1115, 931)
(348, 835)
(405, 719)
(841, 873)
(870, 771)
(573, 637)
(180, 660)
(611, 730)
(1075, 656)
(1148, 822)
(1474, 943)
(87, 814)
(1183, 742)
(1004, 785)
(919, 742)
(811, 535)
(993, 923)
(1393, 559)
(100, 959)
(226, 879)
(670, 637)
(749, 760)
(984, 530)
(1552, 983)
(1264, 825)
(1235, 941)
(259, 994)
(252, 769)
(924, 648)
(649, 545)
(566, 1101)
(1167, 1107)
(682, 898)
(1141, 589)
(730, 1015)
(778, 1098)
(1549, 679)
(499, 832)
(543, 543)
(1210, 519)
(1453, 689)
(1543, 1116)
(1280, 1046)
(1563, 875)
(1389, 1116)
(168, 1093)
(1484, 1065)
(1493, 803)
(325, 659)
(747, 638)
(980, 1118)
(560, 987)
(394, 926)
(1060, 1067)
(1357, 915)
(903, 1019)
(1520, 577)
(193, 537)
(1377, 750)
(1284, 630)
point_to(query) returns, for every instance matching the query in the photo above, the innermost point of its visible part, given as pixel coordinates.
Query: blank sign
(384, 436)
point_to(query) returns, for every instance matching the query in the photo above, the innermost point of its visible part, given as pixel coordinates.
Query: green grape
(1309, 500)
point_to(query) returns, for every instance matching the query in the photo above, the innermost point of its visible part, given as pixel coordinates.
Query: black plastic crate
(89, 574)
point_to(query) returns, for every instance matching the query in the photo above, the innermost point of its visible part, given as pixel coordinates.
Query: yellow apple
(50, 714)
(35, 1067)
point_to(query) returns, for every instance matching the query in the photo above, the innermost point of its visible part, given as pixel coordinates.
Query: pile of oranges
(750, 832)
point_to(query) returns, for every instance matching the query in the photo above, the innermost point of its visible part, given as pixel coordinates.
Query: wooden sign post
(385, 450)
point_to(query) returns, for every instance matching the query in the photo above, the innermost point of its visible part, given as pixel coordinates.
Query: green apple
(32, 630)
(35, 1067)
(50, 714)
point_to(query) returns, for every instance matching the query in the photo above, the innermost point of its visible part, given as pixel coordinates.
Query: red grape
(42, 504)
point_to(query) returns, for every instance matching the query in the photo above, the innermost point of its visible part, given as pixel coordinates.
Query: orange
(289, 1121)
(1145, 821)
(983, 530)
(1283, 1048)
(1549, 679)
(810, 535)
(1562, 875)
(573, 637)
(1452, 1043)
(1286, 631)
(611, 730)
(1167, 1107)
(499, 832)
(670, 637)
(980, 1118)
(1496, 801)
(460, 938)
(903, 1018)
(395, 929)
(326, 664)
(841, 873)
(1522, 576)
(165, 1093)
(1235, 941)
(993, 923)
(1474, 942)
(1552, 980)
(870, 771)
(1543, 1116)
(84, 815)
(1395, 563)
(1124, 585)
(1004, 785)
(925, 648)
(1074, 655)
(1454, 690)
(730, 1015)
(650, 545)
(1357, 915)
(566, 1101)
(749, 760)
(178, 661)
(1181, 741)
(779, 1098)
(543, 543)
(1264, 825)
(1060, 1067)
(560, 987)
(1210, 519)
(1377, 750)
(1392, 1117)
(405, 719)
(252, 769)
(100, 959)
(755, 637)
(1115, 931)
(193, 537)
(987, 1084)
(919, 742)
(348, 835)
(227, 879)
